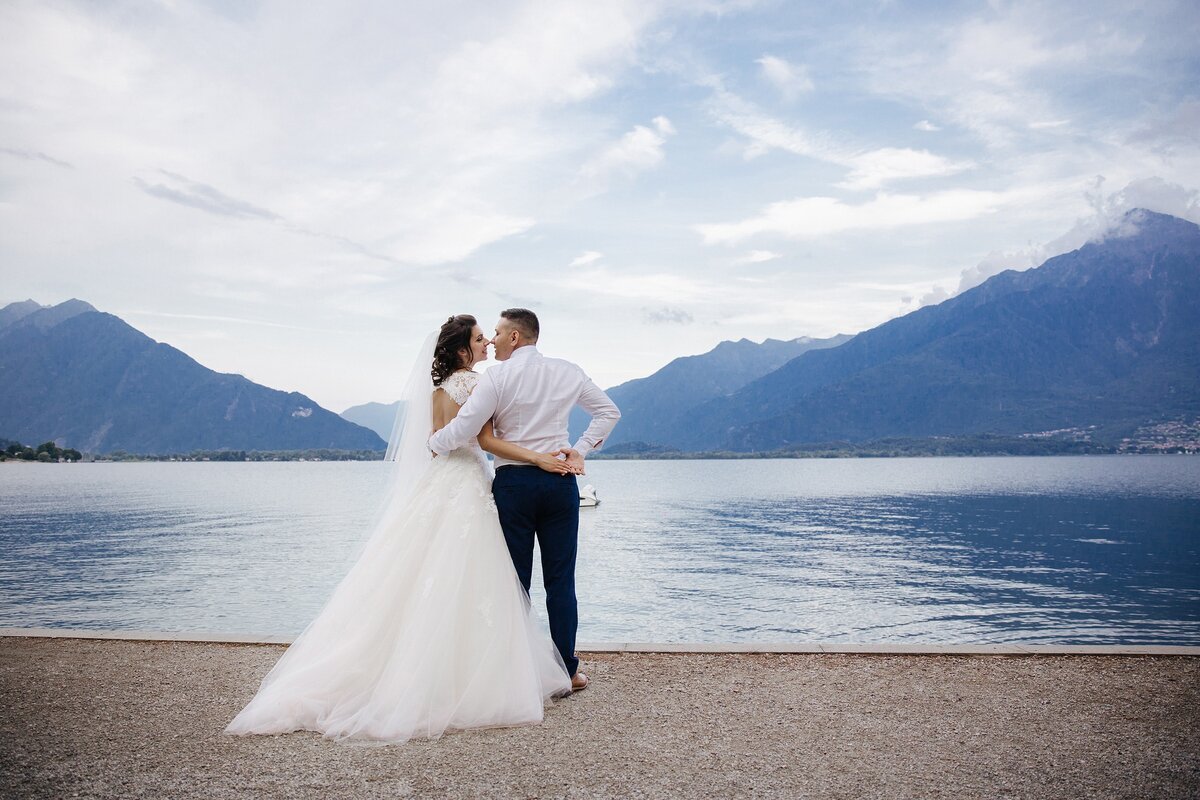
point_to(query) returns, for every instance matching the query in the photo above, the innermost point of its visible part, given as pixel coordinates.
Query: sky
(300, 192)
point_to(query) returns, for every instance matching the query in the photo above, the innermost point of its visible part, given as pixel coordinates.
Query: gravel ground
(94, 718)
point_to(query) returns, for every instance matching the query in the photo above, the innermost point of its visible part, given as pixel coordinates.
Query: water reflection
(940, 550)
(1067, 550)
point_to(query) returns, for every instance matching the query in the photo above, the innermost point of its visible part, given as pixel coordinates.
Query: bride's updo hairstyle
(454, 337)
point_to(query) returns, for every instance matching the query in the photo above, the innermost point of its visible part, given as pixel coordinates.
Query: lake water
(1095, 549)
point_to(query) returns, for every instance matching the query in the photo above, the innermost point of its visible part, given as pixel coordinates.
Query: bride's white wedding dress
(429, 631)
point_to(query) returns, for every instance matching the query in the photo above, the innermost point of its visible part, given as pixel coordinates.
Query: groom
(529, 397)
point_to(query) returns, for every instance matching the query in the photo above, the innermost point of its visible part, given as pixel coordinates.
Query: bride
(430, 630)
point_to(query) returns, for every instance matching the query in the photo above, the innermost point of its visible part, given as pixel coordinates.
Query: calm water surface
(980, 550)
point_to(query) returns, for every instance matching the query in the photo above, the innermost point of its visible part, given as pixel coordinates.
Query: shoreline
(604, 457)
(844, 648)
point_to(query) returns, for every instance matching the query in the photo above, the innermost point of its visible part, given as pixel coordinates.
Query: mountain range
(1106, 336)
(91, 381)
(649, 406)
(379, 417)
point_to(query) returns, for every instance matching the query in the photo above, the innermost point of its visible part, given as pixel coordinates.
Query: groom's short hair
(523, 320)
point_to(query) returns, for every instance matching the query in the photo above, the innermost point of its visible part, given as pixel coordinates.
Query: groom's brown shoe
(579, 682)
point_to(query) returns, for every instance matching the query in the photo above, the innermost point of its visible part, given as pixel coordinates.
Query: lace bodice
(459, 385)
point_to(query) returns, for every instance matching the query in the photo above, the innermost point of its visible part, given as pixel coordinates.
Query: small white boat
(587, 497)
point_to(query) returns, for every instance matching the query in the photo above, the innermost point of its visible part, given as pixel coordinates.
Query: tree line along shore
(51, 453)
(46, 452)
(961, 446)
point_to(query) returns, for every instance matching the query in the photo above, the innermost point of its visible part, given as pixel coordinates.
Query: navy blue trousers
(533, 502)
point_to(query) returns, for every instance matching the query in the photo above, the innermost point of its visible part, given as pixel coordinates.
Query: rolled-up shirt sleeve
(474, 414)
(605, 414)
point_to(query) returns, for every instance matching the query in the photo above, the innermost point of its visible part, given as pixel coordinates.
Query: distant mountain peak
(379, 417)
(17, 311)
(1141, 214)
(698, 378)
(1137, 221)
(75, 305)
(43, 317)
(30, 304)
(98, 384)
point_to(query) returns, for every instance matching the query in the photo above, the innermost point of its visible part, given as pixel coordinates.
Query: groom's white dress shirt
(529, 399)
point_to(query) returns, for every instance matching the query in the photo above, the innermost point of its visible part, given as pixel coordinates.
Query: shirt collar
(523, 352)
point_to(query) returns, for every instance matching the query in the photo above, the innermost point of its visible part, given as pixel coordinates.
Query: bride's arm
(462, 424)
(514, 452)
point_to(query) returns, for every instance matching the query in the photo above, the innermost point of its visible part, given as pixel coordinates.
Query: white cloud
(926, 126)
(819, 216)
(667, 314)
(790, 79)
(868, 168)
(1153, 194)
(934, 296)
(454, 234)
(1168, 131)
(402, 130)
(757, 257)
(656, 286)
(988, 73)
(585, 258)
(186, 192)
(35, 155)
(764, 132)
(638, 150)
(216, 318)
(873, 169)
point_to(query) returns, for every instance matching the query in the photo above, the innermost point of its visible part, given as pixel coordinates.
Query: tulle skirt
(429, 631)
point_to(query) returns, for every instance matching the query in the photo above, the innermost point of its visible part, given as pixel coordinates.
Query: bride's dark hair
(454, 337)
